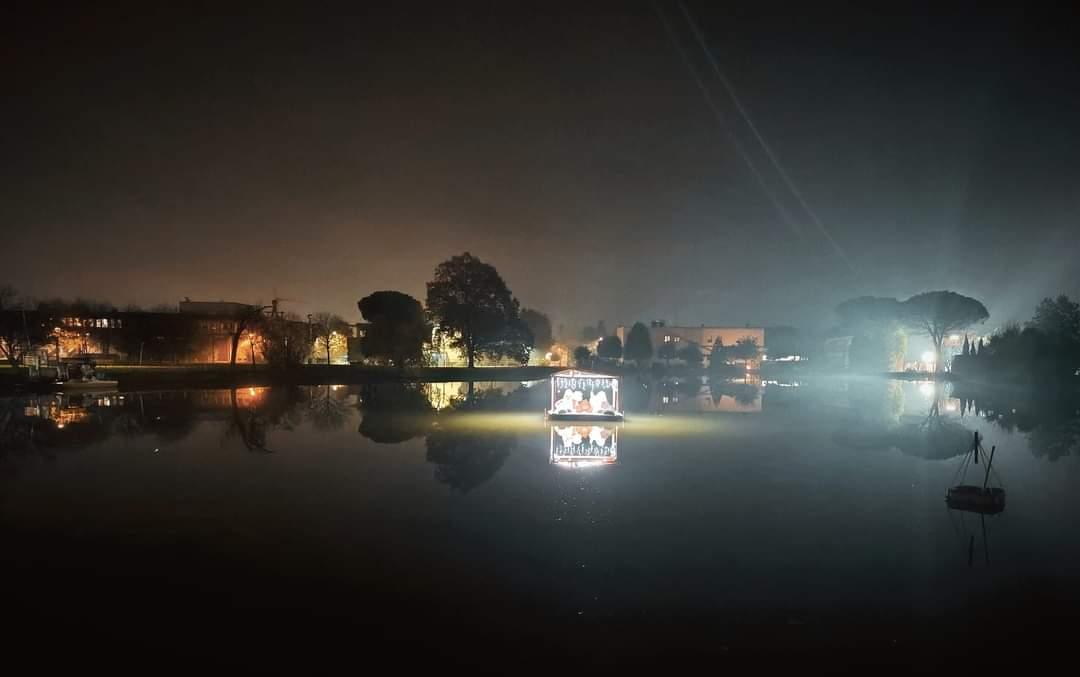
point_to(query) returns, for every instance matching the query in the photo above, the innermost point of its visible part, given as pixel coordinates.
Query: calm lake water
(717, 519)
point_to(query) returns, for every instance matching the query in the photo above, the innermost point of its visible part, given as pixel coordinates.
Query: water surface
(718, 516)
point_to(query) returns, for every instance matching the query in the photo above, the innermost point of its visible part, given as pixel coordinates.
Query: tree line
(468, 307)
(878, 325)
(1045, 349)
(639, 350)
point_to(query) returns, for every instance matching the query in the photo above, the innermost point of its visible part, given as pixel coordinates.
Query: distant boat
(985, 500)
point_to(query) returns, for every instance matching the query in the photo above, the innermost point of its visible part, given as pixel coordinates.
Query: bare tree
(245, 318)
(21, 330)
(329, 331)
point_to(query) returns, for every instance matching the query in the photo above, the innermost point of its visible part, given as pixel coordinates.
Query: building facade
(705, 337)
(199, 333)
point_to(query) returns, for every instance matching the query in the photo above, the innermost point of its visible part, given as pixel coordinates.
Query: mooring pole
(986, 546)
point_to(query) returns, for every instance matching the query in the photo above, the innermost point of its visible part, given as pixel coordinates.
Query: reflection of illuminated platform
(578, 446)
(597, 418)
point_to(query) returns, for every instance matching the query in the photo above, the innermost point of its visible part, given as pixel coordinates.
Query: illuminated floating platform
(584, 396)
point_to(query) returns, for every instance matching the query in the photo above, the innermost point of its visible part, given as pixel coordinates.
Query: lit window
(667, 338)
(677, 339)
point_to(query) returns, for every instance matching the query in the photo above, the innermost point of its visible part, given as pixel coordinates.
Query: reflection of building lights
(928, 357)
(927, 388)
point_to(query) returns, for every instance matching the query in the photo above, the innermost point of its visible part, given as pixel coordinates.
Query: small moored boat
(985, 500)
(971, 498)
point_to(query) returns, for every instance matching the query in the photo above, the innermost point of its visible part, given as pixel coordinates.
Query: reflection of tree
(41, 426)
(326, 410)
(746, 394)
(1055, 439)
(878, 425)
(127, 423)
(466, 459)
(1051, 419)
(394, 412)
(636, 392)
(249, 424)
(876, 400)
(935, 437)
(17, 432)
(493, 398)
(171, 420)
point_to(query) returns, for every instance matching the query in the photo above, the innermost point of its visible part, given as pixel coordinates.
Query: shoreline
(131, 377)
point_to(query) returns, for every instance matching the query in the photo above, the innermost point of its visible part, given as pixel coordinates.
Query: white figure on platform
(599, 403)
(568, 403)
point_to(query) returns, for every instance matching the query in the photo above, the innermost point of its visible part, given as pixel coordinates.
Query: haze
(159, 154)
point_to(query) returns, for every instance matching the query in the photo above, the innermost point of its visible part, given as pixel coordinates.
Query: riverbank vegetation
(1044, 350)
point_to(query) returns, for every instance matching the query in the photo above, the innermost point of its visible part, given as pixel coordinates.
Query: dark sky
(150, 155)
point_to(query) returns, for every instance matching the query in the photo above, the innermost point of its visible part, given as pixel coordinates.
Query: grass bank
(223, 376)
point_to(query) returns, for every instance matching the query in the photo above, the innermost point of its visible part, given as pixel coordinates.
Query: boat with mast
(984, 499)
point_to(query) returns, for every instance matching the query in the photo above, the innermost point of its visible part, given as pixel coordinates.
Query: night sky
(150, 155)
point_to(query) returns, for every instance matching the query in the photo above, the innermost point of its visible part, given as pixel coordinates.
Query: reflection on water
(464, 457)
(1050, 420)
(731, 500)
(924, 420)
(577, 446)
(395, 412)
